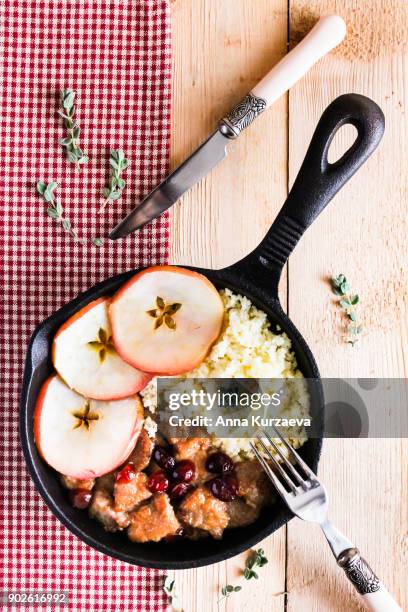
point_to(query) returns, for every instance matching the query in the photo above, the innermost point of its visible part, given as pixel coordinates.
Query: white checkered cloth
(116, 55)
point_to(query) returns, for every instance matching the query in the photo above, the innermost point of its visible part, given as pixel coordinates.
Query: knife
(327, 33)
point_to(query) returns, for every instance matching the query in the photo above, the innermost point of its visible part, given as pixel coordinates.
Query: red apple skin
(200, 358)
(174, 269)
(37, 412)
(73, 318)
(86, 474)
(144, 380)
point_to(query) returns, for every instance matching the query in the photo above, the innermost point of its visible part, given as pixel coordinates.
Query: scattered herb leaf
(169, 589)
(256, 559)
(70, 142)
(348, 303)
(55, 211)
(118, 164)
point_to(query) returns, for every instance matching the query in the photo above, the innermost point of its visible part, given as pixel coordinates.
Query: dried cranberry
(225, 488)
(177, 490)
(126, 474)
(219, 463)
(184, 471)
(163, 458)
(158, 482)
(80, 498)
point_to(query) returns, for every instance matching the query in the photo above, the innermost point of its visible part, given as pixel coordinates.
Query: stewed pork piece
(254, 485)
(102, 509)
(153, 521)
(202, 510)
(102, 506)
(130, 490)
(241, 514)
(141, 454)
(189, 489)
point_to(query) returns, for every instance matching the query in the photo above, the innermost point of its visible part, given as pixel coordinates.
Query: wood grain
(362, 234)
(221, 49)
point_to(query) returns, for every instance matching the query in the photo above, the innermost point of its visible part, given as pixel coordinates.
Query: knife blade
(326, 34)
(192, 170)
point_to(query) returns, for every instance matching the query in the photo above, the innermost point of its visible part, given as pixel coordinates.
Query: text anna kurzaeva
(218, 409)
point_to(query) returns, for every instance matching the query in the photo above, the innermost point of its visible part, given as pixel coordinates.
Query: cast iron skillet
(255, 276)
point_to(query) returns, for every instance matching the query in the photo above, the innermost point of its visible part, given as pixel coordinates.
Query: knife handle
(327, 33)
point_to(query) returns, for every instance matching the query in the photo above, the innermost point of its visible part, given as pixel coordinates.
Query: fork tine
(278, 466)
(296, 455)
(285, 460)
(278, 485)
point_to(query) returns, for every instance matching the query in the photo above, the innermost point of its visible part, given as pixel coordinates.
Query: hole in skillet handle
(342, 141)
(316, 184)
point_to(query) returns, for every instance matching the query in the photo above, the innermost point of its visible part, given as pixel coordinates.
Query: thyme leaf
(55, 211)
(170, 590)
(70, 142)
(118, 164)
(256, 559)
(347, 303)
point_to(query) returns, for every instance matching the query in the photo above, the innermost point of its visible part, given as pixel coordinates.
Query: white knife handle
(327, 33)
(381, 601)
(374, 594)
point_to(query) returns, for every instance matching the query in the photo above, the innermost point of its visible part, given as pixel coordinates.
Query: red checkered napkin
(116, 55)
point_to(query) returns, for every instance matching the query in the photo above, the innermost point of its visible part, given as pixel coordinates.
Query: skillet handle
(318, 181)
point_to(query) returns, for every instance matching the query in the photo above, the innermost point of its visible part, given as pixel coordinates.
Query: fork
(306, 497)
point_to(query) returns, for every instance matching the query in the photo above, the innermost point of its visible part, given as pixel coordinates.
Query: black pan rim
(221, 278)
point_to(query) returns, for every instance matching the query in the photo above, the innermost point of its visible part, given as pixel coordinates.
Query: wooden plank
(363, 235)
(221, 49)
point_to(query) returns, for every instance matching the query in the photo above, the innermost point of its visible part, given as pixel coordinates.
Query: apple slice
(84, 356)
(84, 438)
(165, 319)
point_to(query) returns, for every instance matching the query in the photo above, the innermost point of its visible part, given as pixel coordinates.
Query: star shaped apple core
(84, 416)
(103, 345)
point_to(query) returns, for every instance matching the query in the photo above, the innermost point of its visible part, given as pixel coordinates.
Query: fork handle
(375, 595)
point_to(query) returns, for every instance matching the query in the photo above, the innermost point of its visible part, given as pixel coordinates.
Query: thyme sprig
(256, 559)
(348, 303)
(118, 164)
(55, 211)
(70, 142)
(170, 589)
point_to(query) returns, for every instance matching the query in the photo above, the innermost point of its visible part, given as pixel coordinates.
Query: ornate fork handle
(358, 571)
(307, 499)
(367, 584)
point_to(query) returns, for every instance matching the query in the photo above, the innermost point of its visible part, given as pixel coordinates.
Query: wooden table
(221, 49)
